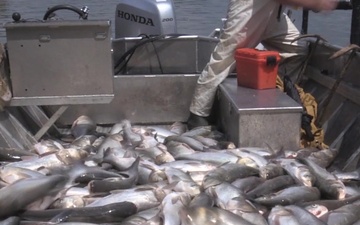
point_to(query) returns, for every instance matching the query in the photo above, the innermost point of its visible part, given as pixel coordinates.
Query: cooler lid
(256, 53)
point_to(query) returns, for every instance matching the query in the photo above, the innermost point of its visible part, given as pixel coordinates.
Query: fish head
(337, 189)
(70, 155)
(69, 202)
(308, 179)
(290, 154)
(198, 215)
(265, 172)
(164, 158)
(82, 125)
(209, 182)
(247, 162)
(157, 175)
(161, 193)
(188, 187)
(317, 209)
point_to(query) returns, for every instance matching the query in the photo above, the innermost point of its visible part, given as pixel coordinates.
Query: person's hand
(325, 5)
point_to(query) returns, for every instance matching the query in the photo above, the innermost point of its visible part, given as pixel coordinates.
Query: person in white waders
(250, 22)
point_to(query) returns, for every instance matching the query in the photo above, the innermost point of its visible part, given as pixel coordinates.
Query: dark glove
(306, 126)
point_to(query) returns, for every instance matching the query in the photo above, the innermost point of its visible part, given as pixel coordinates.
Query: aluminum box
(142, 99)
(60, 62)
(259, 118)
(146, 93)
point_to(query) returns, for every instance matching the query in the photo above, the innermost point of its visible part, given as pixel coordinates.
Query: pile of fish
(132, 175)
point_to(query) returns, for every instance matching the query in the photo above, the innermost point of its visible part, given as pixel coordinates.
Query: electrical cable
(156, 53)
(121, 64)
(81, 13)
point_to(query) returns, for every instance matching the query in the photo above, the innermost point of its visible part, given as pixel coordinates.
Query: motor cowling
(150, 17)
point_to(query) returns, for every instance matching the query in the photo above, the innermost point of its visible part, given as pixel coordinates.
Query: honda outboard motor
(150, 17)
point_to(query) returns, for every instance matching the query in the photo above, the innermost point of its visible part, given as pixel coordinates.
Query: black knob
(16, 16)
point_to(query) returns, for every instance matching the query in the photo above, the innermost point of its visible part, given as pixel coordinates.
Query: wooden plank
(344, 89)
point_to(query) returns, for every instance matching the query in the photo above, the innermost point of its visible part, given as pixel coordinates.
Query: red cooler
(256, 69)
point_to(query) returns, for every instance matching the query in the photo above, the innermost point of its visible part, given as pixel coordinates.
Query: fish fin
(61, 217)
(183, 200)
(223, 164)
(150, 167)
(175, 177)
(101, 194)
(144, 189)
(171, 186)
(27, 157)
(133, 166)
(273, 152)
(106, 151)
(112, 192)
(175, 200)
(130, 154)
(47, 153)
(250, 197)
(193, 163)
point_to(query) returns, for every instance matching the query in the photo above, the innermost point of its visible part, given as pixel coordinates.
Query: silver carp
(83, 125)
(62, 158)
(191, 165)
(178, 128)
(329, 185)
(210, 216)
(303, 215)
(230, 198)
(202, 199)
(243, 153)
(193, 143)
(128, 179)
(300, 172)
(143, 197)
(18, 195)
(131, 137)
(177, 149)
(13, 155)
(228, 173)
(198, 131)
(271, 186)
(248, 183)
(115, 212)
(183, 181)
(279, 215)
(171, 205)
(158, 153)
(11, 174)
(290, 195)
(271, 170)
(142, 217)
(345, 215)
(212, 157)
(316, 209)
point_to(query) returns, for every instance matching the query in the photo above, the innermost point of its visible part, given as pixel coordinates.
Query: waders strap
(279, 12)
(311, 135)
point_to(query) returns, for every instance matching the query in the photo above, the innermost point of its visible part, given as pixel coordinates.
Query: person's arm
(318, 5)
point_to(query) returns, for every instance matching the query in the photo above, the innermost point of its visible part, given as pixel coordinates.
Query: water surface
(193, 16)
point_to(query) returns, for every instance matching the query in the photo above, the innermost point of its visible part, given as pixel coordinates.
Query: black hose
(291, 91)
(82, 14)
(121, 64)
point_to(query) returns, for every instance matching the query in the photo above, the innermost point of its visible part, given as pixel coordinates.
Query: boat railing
(353, 5)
